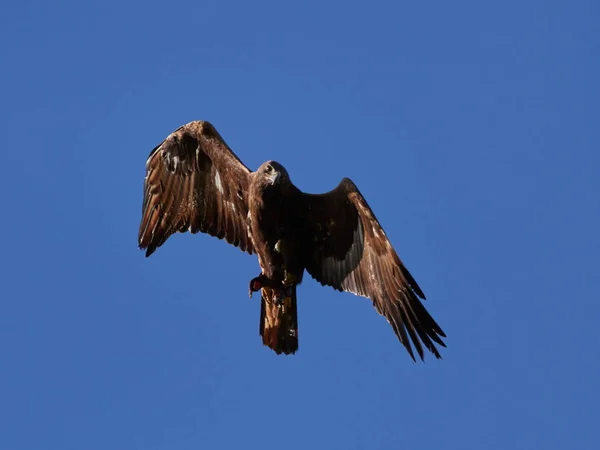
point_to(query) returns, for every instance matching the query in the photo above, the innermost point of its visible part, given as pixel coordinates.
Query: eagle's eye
(269, 168)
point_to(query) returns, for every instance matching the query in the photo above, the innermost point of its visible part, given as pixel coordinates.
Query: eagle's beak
(275, 177)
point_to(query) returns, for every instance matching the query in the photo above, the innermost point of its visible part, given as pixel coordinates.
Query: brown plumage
(194, 182)
(278, 325)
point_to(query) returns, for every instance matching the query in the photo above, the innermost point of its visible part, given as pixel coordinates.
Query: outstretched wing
(352, 253)
(194, 182)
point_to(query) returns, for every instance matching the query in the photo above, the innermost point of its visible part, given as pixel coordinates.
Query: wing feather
(351, 252)
(194, 182)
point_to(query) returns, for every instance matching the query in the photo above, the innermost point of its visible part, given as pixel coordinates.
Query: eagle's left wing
(351, 252)
(194, 182)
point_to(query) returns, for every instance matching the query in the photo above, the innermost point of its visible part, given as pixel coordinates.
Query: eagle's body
(194, 183)
(276, 223)
(278, 233)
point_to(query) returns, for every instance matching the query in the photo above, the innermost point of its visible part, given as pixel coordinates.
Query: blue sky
(470, 127)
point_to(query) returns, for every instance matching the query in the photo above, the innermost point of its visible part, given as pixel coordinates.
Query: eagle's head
(273, 174)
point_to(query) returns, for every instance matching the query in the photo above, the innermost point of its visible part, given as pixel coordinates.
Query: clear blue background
(471, 128)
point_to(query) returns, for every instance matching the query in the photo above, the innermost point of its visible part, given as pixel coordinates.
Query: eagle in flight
(194, 182)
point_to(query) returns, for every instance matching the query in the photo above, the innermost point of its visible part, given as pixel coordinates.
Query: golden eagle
(194, 182)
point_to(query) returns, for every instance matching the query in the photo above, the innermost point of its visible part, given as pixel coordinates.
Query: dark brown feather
(279, 322)
(351, 252)
(193, 183)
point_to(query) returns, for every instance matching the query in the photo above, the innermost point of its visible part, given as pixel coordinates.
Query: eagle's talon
(259, 282)
(256, 285)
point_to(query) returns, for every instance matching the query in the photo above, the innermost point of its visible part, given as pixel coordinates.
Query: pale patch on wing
(375, 231)
(249, 229)
(218, 182)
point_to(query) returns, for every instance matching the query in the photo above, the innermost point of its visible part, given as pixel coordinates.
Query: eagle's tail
(279, 322)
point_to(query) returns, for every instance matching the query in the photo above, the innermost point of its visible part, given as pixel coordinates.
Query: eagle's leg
(281, 294)
(290, 280)
(286, 291)
(282, 291)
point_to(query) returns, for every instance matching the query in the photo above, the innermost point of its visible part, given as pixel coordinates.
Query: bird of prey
(194, 182)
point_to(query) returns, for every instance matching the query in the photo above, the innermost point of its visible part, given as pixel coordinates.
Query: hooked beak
(275, 178)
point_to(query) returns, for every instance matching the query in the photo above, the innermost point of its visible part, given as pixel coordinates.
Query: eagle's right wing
(351, 252)
(194, 182)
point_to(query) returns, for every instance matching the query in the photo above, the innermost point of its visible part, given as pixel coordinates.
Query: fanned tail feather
(279, 322)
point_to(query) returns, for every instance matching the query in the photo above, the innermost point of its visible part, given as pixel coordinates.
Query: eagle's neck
(268, 205)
